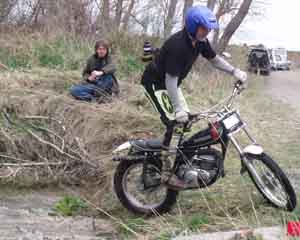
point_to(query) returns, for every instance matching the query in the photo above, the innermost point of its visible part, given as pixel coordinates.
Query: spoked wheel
(271, 181)
(140, 197)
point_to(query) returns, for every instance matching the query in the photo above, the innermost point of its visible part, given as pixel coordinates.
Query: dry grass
(90, 131)
(38, 109)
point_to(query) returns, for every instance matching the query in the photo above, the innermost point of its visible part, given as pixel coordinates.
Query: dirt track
(28, 216)
(285, 85)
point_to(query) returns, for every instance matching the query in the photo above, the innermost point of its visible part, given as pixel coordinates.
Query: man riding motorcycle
(163, 76)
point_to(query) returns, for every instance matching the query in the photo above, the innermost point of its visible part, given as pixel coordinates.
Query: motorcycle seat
(155, 144)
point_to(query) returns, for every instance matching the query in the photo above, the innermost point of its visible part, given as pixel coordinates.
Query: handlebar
(211, 113)
(227, 103)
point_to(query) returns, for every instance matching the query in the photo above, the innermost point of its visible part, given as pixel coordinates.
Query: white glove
(181, 116)
(240, 75)
(97, 73)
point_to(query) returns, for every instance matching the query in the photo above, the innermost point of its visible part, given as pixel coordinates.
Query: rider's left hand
(181, 116)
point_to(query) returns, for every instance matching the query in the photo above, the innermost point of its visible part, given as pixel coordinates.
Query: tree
(128, 14)
(104, 15)
(168, 25)
(211, 4)
(118, 14)
(6, 7)
(234, 24)
(187, 4)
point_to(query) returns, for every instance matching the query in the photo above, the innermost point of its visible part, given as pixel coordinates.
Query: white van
(279, 59)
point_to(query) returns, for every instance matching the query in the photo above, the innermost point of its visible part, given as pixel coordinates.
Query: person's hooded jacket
(104, 64)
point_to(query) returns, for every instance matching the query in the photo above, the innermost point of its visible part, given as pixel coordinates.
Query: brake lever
(238, 87)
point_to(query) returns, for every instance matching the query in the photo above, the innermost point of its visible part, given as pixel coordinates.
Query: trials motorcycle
(199, 161)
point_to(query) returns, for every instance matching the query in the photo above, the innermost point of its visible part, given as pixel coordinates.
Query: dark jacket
(176, 57)
(101, 64)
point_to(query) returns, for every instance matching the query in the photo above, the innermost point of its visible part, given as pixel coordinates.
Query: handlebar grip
(238, 83)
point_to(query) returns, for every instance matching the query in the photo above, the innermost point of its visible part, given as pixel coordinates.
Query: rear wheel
(130, 189)
(271, 181)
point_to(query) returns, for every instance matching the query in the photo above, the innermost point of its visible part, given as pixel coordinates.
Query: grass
(44, 77)
(134, 224)
(233, 202)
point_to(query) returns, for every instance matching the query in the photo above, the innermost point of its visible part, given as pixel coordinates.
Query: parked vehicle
(279, 59)
(259, 61)
(199, 161)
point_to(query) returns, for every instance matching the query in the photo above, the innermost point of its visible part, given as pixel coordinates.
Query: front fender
(253, 149)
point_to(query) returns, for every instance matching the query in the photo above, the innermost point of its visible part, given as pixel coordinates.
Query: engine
(202, 170)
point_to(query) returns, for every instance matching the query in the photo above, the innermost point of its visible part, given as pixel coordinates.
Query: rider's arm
(172, 88)
(218, 62)
(221, 64)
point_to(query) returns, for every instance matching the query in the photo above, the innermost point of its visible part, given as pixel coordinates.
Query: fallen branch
(50, 132)
(13, 158)
(8, 172)
(47, 161)
(51, 145)
(31, 164)
(44, 118)
(3, 66)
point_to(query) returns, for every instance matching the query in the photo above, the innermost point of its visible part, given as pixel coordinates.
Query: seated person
(98, 76)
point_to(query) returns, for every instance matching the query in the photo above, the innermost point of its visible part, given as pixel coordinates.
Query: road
(285, 86)
(30, 216)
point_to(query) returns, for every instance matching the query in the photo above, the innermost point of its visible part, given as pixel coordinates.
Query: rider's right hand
(240, 75)
(181, 116)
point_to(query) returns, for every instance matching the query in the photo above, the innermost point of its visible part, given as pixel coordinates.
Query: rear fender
(122, 147)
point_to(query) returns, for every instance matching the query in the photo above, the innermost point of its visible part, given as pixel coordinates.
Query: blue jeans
(91, 91)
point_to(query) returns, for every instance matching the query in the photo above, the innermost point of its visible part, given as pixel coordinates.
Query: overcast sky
(280, 26)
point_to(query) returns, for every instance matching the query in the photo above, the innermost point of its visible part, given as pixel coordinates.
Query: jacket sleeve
(87, 70)
(110, 67)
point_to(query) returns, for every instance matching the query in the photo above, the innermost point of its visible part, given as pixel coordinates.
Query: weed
(196, 221)
(69, 206)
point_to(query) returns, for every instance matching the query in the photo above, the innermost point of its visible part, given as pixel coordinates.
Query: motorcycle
(199, 161)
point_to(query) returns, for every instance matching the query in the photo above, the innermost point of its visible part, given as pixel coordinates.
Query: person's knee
(76, 91)
(106, 82)
(108, 78)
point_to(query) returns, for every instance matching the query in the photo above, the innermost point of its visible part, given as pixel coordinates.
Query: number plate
(232, 121)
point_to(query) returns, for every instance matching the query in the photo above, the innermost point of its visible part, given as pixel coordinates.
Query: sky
(278, 27)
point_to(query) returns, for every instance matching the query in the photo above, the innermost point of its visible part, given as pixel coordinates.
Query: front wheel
(271, 181)
(130, 188)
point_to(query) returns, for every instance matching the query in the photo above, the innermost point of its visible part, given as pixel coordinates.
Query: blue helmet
(200, 16)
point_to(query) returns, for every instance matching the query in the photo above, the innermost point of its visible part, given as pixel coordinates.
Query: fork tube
(235, 144)
(249, 136)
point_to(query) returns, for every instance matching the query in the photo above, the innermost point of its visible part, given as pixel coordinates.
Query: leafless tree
(168, 24)
(128, 14)
(118, 13)
(104, 20)
(211, 4)
(157, 17)
(6, 7)
(187, 4)
(234, 24)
